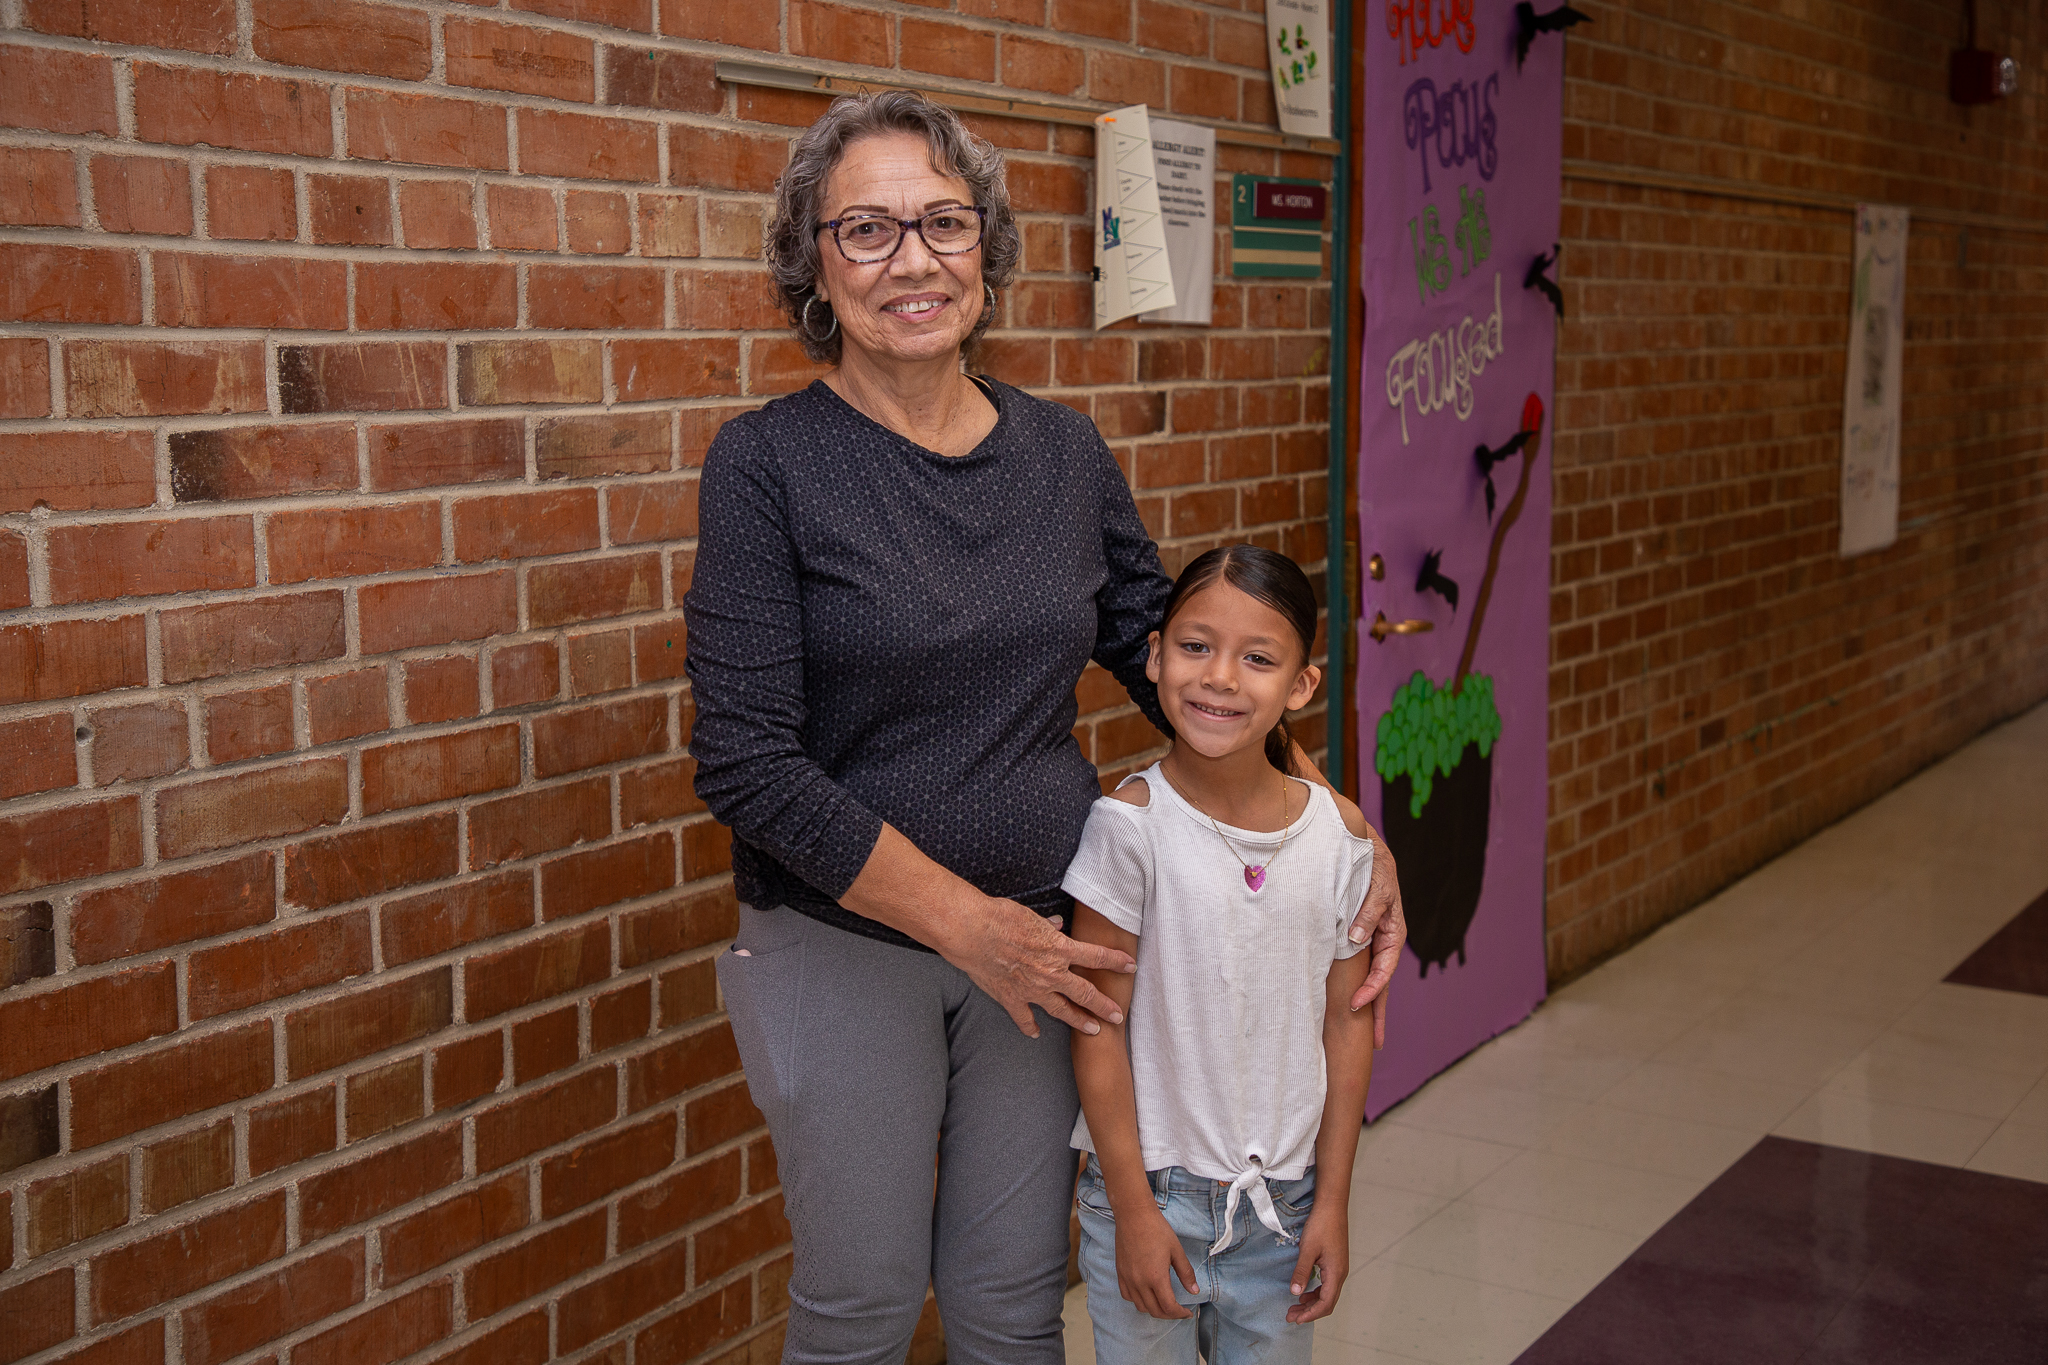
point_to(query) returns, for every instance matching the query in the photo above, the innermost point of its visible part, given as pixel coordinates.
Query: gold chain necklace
(1255, 873)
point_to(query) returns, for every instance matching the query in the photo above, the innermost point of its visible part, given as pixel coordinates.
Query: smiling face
(917, 305)
(1228, 667)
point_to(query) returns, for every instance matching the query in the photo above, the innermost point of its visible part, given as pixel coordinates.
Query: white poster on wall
(1184, 163)
(1131, 270)
(1870, 393)
(1298, 54)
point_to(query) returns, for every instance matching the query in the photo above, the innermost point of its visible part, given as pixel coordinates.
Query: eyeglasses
(867, 238)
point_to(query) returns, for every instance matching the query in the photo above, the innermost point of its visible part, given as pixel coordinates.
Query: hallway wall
(1723, 684)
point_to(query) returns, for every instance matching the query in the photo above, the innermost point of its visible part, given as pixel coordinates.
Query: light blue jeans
(1241, 1295)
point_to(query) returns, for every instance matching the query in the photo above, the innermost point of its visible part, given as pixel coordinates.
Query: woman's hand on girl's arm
(1380, 917)
(1148, 1253)
(1381, 920)
(1347, 1060)
(1018, 957)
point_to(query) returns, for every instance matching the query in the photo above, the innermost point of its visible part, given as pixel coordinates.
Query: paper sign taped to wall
(1298, 54)
(1131, 270)
(1184, 162)
(1870, 393)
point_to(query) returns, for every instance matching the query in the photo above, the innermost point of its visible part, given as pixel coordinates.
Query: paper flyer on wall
(1131, 270)
(1870, 392)
(1184, 161)
(1298, 53)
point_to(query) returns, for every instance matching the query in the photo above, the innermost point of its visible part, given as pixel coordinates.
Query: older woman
(902, 572)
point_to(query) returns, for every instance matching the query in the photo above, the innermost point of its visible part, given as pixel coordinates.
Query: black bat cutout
(1489, 458)
(1534, 278)
(1528, 23)
(1430, 580)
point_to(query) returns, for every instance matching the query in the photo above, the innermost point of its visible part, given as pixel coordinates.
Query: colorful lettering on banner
(1475, 238)
(1437, 371)
(1462, 159)
(1432, 253)
(1456, 122)
(1415, 24)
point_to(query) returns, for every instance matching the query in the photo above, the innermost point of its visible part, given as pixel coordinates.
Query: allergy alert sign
(1132, 273)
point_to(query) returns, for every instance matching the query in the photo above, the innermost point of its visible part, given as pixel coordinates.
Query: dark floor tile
(1802, 1254)
(2013, 959)
(1867, 1333)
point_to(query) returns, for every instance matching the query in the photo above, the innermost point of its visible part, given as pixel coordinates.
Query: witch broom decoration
(1434, 752)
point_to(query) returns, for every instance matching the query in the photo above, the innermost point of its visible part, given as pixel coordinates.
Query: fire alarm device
(1976, 76)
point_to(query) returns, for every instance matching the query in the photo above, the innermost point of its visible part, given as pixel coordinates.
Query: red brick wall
(1723, 684)
(356, 359)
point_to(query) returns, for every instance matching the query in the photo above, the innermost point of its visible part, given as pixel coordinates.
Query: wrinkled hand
(1380, 919)
(1148, 1255)
(1022, 959)
(1325, 1242)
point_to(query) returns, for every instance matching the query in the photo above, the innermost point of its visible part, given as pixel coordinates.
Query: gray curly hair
(792, 248)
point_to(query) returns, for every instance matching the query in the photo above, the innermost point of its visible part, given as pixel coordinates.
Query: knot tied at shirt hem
(1250, 1182)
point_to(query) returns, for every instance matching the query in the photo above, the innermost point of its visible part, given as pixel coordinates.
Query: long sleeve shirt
(879, 633)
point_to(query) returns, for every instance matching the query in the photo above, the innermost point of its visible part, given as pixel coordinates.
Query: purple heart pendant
(1255, 877)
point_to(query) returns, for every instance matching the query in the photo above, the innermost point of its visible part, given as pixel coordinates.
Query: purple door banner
(1461, 163)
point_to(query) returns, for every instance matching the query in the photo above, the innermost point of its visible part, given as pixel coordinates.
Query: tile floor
(1806, 1001)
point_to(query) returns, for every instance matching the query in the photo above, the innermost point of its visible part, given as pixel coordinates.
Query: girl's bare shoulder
(1133, 793)
(1354, 818)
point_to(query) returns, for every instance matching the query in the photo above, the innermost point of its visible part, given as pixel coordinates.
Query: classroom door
(1461, 166)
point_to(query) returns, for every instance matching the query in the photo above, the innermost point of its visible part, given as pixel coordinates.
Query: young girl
(1222, 1116)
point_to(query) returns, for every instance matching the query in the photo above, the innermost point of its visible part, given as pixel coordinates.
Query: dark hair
(1264, 576)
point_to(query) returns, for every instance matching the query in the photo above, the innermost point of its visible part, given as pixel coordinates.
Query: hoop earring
(810, 331)
(990, 294)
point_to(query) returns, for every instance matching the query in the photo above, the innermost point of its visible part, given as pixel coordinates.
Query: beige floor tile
(1571, 1075)
(1894, 1077)
(1080, 1333)
(1382, 1215)
(1840, 1120)
(1629, 983)
(1491, 1113)
(2010, 1025)
(1592, 1194)
(1571, 1025)
(2015, 1150)
(1333, 1350)
(1877, 998)
(1498, 1246)
(1767, 1039)
(1982, 1053)
(1441, 1319)
(1981, 1005)
(1771, 1019)
(1753, 1105)
(2032, 1111)
(1440, 1164)
(1649, 1142)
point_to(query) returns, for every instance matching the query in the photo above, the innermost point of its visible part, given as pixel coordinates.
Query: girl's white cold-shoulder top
(1226, 1018)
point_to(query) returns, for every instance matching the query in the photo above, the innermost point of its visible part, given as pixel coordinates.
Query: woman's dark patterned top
(881, 633)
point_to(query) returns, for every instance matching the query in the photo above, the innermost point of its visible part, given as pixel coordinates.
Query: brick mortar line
(436, 83)
(39, 803)
(152, 606)
(297, 1253)
(276, 1012)
(69, 891)
(1722, 763)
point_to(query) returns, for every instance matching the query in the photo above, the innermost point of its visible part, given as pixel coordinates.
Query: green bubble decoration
(1424, 733)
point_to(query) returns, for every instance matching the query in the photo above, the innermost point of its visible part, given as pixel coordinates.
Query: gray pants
(871, 1061)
